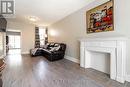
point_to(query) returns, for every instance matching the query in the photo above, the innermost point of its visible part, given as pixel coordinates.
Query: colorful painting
(100, 19)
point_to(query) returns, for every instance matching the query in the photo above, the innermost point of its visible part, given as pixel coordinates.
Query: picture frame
(100, 18)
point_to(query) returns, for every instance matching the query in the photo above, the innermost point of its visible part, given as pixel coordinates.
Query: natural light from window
(42, 33)
(14, 41)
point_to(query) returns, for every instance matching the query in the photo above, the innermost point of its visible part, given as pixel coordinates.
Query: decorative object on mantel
(100, 19)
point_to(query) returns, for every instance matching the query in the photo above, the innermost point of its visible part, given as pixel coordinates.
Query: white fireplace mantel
(116, 46)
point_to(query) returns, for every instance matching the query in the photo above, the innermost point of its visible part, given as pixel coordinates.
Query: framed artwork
(100, 19)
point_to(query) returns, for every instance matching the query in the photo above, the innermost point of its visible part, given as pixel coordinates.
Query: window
(42, 35)
(1, 44)
(14, 41)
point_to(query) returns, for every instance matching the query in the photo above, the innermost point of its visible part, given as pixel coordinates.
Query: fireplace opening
(100, 61)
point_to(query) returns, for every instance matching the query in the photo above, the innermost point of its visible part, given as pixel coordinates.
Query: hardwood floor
(26, 71)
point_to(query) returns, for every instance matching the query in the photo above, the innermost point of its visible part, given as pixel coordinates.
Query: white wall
(73, 27)
(27, 34)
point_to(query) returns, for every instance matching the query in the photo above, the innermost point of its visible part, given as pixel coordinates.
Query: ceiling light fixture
(33, 18)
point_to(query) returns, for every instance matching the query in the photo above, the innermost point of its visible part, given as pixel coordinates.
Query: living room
(90, 58)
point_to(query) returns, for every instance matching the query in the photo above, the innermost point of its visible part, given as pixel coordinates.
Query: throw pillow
(56, 45)
(52, 49)
(51, 44)
(55, 48)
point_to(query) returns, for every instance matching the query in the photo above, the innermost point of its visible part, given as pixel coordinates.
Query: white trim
(25, 53)
(127, 78)
(120, 79)
(72, 59)
(21, 39)
(115, 46)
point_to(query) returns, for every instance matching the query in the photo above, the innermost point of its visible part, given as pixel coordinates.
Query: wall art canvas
(100, 19)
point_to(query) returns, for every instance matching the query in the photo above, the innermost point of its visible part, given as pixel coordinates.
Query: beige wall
(27, 34)
(73, 27)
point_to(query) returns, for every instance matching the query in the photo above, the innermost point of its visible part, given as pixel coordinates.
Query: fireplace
(115, 46)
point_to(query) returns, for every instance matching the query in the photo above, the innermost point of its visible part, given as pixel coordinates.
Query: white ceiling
(48, 11)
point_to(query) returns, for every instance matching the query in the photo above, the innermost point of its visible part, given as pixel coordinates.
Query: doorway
(14, 42)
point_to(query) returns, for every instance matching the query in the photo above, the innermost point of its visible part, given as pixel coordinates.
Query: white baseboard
(128, 78)
(72, 59)
(24, 52)
(121, 80)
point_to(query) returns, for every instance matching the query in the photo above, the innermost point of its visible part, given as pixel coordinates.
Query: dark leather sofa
(50, 54)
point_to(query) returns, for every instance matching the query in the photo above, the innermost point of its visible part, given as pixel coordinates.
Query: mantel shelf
(104, 39)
